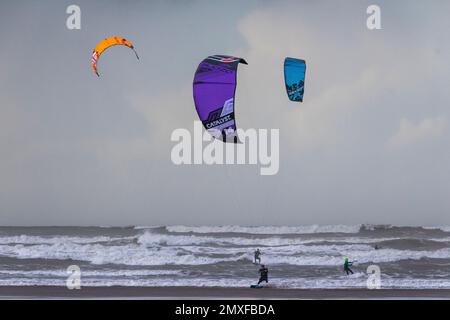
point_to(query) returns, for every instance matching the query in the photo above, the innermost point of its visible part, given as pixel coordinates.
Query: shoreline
(196, 293)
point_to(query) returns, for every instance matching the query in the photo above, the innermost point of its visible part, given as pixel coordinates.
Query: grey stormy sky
(369, 145)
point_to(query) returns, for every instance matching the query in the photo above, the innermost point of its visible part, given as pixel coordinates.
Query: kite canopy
(214, 92)
(294, 77)
(105, 44)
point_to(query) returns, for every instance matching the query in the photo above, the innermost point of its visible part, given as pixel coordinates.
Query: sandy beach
(48, 292)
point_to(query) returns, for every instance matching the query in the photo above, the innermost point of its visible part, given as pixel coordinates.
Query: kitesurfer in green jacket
(347, 265)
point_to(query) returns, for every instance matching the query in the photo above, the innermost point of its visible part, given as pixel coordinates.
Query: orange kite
(105, 44)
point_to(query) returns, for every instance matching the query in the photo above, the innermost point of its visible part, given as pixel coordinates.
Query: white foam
(99, 254)
(148, 238)
(24, 239)
(160, 250)
(91, 273)
(355, 281)
(441, 228)
(267, 229)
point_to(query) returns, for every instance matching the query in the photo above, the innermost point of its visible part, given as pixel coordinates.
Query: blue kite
(294, 77)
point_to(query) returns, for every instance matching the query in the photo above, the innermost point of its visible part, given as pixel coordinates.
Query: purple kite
(214, 91)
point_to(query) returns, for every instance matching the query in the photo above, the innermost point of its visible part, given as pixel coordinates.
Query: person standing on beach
(264, 272)
(347, 265)
(258, 256)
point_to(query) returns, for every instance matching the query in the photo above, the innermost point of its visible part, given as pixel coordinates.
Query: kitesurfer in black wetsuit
(264, 272)
(258, 256)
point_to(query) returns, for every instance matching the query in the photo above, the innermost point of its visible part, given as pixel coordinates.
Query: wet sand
(214, 293)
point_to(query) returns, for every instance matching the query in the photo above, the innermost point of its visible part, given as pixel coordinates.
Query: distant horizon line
(225, 225)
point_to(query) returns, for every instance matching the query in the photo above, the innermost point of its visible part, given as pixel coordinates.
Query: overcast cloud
(370, 144)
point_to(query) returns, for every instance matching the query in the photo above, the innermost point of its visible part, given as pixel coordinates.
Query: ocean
(297, 257)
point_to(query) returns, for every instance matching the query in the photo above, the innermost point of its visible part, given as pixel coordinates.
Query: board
(256, 286)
